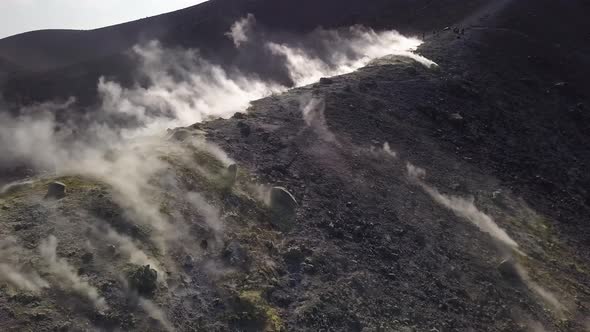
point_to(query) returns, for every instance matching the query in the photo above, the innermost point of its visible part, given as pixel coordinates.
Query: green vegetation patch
(255, 308)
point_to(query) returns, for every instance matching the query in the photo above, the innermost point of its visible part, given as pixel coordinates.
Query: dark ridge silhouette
(65, 62)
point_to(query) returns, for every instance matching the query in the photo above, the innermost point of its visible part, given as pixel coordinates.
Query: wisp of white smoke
(185, 88)
(65, 274)
(241, 29)
(466, 208)
(350, 52)
(12, 272)
(31, 282)
(156, 313)
(462, 207)
(313, 109)
(182, 88)
(387, 149)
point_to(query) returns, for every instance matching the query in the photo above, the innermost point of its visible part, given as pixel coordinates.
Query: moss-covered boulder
(144, 279)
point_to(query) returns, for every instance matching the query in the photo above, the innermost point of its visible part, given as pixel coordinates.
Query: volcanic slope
(429, 198)
(417, 184)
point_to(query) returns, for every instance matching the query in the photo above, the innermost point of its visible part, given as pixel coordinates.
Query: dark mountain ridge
(51, 56)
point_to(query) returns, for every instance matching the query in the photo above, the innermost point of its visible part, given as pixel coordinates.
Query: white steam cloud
(184, 89)
(387, 149)
(66, 275)
(12, 272)
(127, 246)
(547, 296)
(241, 29)
(31, 136)
(156, 313)
(31, 281)
(313, 109)
(350, 51)
(464, 208)
(210, 213)
(125, 149)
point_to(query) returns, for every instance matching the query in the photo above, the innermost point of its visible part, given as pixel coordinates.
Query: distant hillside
(402, 196)
(8, 69)
(83, 56)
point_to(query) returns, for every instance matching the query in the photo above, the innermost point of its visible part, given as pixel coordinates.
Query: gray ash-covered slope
(428, 199)
(504, 119)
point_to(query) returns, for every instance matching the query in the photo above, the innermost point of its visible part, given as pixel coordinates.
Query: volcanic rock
(283, 206)
(245, 129)
(326, 81)
(508, 269)
(56, 190)
(144, 280)
(230, 176)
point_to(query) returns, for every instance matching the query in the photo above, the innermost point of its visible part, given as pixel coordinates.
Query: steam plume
(184, 89)
(156, 313)
(66, 275)
(31, 282)
(126, 245)
(121, 144)
(12, 272)
(313, 109)
(464, 208)
(349, 51)
(241, 29)
(209, 212)
(387, 149)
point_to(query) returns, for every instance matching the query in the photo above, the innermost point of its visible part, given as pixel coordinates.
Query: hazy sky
(18, 16)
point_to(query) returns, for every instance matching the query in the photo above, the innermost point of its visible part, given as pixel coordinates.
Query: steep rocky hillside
(403, 196)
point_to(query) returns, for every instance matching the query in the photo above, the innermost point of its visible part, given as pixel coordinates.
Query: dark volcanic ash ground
(447, 197)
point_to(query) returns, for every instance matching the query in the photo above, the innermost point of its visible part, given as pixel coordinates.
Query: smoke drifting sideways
(240, 31)
(350, 50)
(462, 207)
(66, 275)
(184, 88)
(12, 271)
(122, 140)
(466, 209)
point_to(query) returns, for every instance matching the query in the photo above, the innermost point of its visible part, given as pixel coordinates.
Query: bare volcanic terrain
(274, 166)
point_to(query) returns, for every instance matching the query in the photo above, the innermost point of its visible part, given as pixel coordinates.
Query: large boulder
(509, 270)
(230, 176)
(144, 279)
(245, 129)
(56, 190)
(181, 135)
(326, 81)
(283, 207)
(236, 255)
